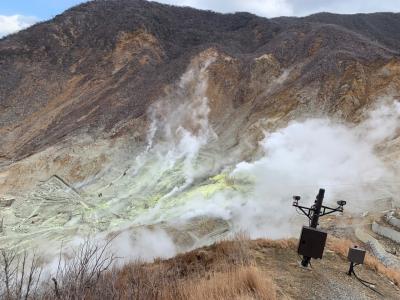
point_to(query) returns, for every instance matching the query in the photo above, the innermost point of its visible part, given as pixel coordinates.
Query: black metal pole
(351, 269)
(314, 220)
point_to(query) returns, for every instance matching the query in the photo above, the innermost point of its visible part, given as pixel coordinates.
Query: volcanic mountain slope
(97, 68)
(119, 111)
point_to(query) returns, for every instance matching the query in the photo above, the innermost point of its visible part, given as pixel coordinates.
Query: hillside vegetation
(238, 269)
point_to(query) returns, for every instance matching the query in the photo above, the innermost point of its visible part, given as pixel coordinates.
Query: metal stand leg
(351, 269)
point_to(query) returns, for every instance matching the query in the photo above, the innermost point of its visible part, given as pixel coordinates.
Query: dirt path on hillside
(326, 279)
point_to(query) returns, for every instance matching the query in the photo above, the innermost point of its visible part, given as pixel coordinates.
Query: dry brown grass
(241, 283)
(279, 244)
(154, 282)
(341, 247)
(374, 264)
(225, 270)
(222, 271)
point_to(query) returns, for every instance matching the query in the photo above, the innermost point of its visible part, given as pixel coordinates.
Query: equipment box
(312, 242)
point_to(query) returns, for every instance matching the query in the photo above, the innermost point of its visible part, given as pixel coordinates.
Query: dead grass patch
(224, 270)
(241, 283)
(279, 244)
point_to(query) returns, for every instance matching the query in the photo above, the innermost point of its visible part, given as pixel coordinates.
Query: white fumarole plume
(298, 160)
(316, 153)
(179, 126)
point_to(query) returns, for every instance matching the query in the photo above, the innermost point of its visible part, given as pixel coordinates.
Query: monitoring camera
(341, 203)
(296, 200)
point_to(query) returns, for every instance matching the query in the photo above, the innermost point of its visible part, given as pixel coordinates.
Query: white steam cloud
(179, 126)
(145, 245)
(141, 245)
(317, 153)
(298, 160)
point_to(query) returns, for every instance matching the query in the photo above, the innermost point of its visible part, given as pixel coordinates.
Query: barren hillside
(97, 68)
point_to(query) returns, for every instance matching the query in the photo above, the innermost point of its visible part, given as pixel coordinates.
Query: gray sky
(18, 14)
(275, 8)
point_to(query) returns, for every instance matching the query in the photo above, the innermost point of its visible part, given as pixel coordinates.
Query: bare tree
(7, 264)
(20, 274)
(81, 273)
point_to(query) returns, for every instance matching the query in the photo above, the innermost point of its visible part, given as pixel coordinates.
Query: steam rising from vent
(181, 119)
(382, 123)
(179, 123)
(300, 158)
(256, 196)
(145, 244)
(317, 153)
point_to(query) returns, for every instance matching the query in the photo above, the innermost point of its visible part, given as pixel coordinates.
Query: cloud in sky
(14, 14)
(267, 8)
(276, 8)
(14, 23)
